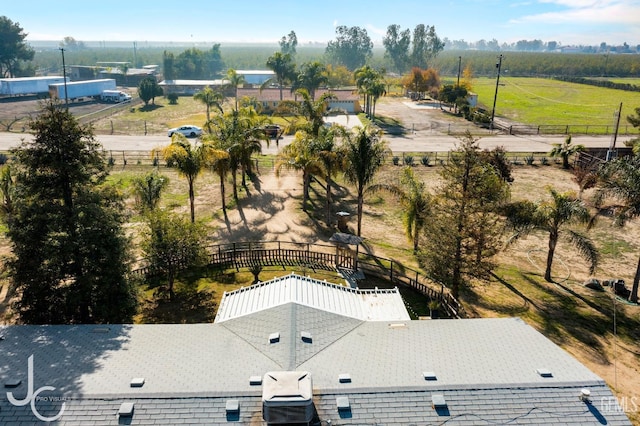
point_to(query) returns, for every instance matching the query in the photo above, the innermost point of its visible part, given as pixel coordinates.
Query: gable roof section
(364, 305)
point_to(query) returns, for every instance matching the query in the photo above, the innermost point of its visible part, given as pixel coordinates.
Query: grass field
(539, 101)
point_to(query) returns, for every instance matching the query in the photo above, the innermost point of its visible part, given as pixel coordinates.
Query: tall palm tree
(565, 151)
(620, 180)
(283, 66)
(415, 201)
(365, 153)
(235, 80)
(148, 190)
(366, 77)
(554, 217)
(299, 155)
(313, 111)
(377, 89)
(210, 98)
(312, 75)
(190, 161)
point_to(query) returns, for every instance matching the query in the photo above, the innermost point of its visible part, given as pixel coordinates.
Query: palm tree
(210, 98)
(190, 160)
(366, 77)
(565, 151)
(554, 217)
(299, 155)
(235, 80)
(365, 154)
(284, 68)
(415, 201)
(148, 189)
(620, 180)
(377, 89)
(312, 75)
(313, 111)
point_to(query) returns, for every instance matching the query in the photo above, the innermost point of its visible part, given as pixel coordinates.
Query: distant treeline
(600, 83)
(482, 63)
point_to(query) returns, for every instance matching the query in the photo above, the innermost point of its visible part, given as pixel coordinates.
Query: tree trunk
(222, 193)
(170, 279)
(306, 181)
(416, 233)
(633, 297)
(192, 200)
(328, 198)
(360, 203)
(235, 185)
(553, 240)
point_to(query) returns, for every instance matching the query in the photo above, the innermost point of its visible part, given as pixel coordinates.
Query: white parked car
(188, 131)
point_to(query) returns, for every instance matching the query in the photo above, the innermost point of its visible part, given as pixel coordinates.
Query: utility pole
(612, 146)
(459, 64)
(495, 96)
(64, 76)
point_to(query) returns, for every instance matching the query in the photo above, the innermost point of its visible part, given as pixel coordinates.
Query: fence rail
(247, 255)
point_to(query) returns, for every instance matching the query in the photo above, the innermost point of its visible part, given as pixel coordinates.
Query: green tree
(7, 191)
(235, 80)
(351, 48)
(565, 151)
(462, 235)
(555, 217)
(190, 161)
(13, 48)
(619, 180)
(634, 120)
(71, 256)
(168, 65)
(396, 44)
(283, 67)
(313, 111)
(415, 202)
(148, 89)
(339, 76)
(365, 153)
(148, 190)
(312, 75)
(369, 83)
(210, 98)
(288, 44)
(195, 64)
(426, 45)
(172, 243)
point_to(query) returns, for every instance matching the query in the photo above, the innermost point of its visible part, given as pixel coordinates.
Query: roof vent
(137, 382)
(306, 337)
(344, 378)
(126, 409)
(232, 406)
(397, 325)
(287, 397)
(343, 403)
(429, 375)
(438, 401)
(12, 383)
(585, 395)
(255, 380)
(274, 337)
(543, 372)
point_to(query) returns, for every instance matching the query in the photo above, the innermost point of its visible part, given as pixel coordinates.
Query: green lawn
(550, 102)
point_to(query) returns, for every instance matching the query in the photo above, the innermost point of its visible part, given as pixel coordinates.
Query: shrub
(3, 159)
(173, 98)
(155, 161)
(544, 161)
(425, 160)
(529, 160)
(396, 160)
(408, 160)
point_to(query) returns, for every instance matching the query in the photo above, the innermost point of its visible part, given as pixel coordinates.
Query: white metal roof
(365, 305)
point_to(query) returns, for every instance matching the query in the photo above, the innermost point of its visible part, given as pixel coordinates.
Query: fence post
(145, 128)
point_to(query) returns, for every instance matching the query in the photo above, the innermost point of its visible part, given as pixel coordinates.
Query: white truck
(114, 96)
(27, 85)
(82, 89)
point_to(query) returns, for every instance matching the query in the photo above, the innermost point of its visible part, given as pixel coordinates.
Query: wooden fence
(247, 255)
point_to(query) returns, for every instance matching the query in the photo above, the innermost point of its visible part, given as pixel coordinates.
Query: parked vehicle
(114, 96)
(188, 131)
(27, 85)
(82, 89)
(273, 130)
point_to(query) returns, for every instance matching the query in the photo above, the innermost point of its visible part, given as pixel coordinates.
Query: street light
(495, 96)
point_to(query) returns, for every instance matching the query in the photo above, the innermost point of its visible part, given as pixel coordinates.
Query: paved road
(420, 141)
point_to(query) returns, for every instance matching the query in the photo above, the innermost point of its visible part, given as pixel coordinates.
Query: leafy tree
(565, 151)
(351, 48)
(71, 44)
(415, 202)
(619, 180)
(312, 76)
(426, 45)
(195, 64)
(284, 68)
(72, 257)
(168, 65)
(554, 217)
(463, 232)
(339, 76)
(453, 95)
(497, 157)
(396, 44)
(148, 189)
(210, 98)
(148, 89)
(422, 82)
(288, 44)
(235, 80)
(13, 48)
(365, 153)
(190, 161)
(171, 244)
(634, 120)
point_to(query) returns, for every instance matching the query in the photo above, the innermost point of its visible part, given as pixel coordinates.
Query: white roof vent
(274, 337)
(126, 409)
(429, 375)
(306, 337)
(287, 397)
(137, 382)
(543, 372)
(438, 401)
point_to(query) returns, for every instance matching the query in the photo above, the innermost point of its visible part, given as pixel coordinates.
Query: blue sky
(565, 21)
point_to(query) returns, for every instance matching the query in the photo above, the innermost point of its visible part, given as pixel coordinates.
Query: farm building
(191, 87)
(299, 351)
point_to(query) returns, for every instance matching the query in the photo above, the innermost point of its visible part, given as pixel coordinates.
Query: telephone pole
(64, 76)
(495, 96)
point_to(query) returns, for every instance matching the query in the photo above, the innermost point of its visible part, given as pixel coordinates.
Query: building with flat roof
(303, 354)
